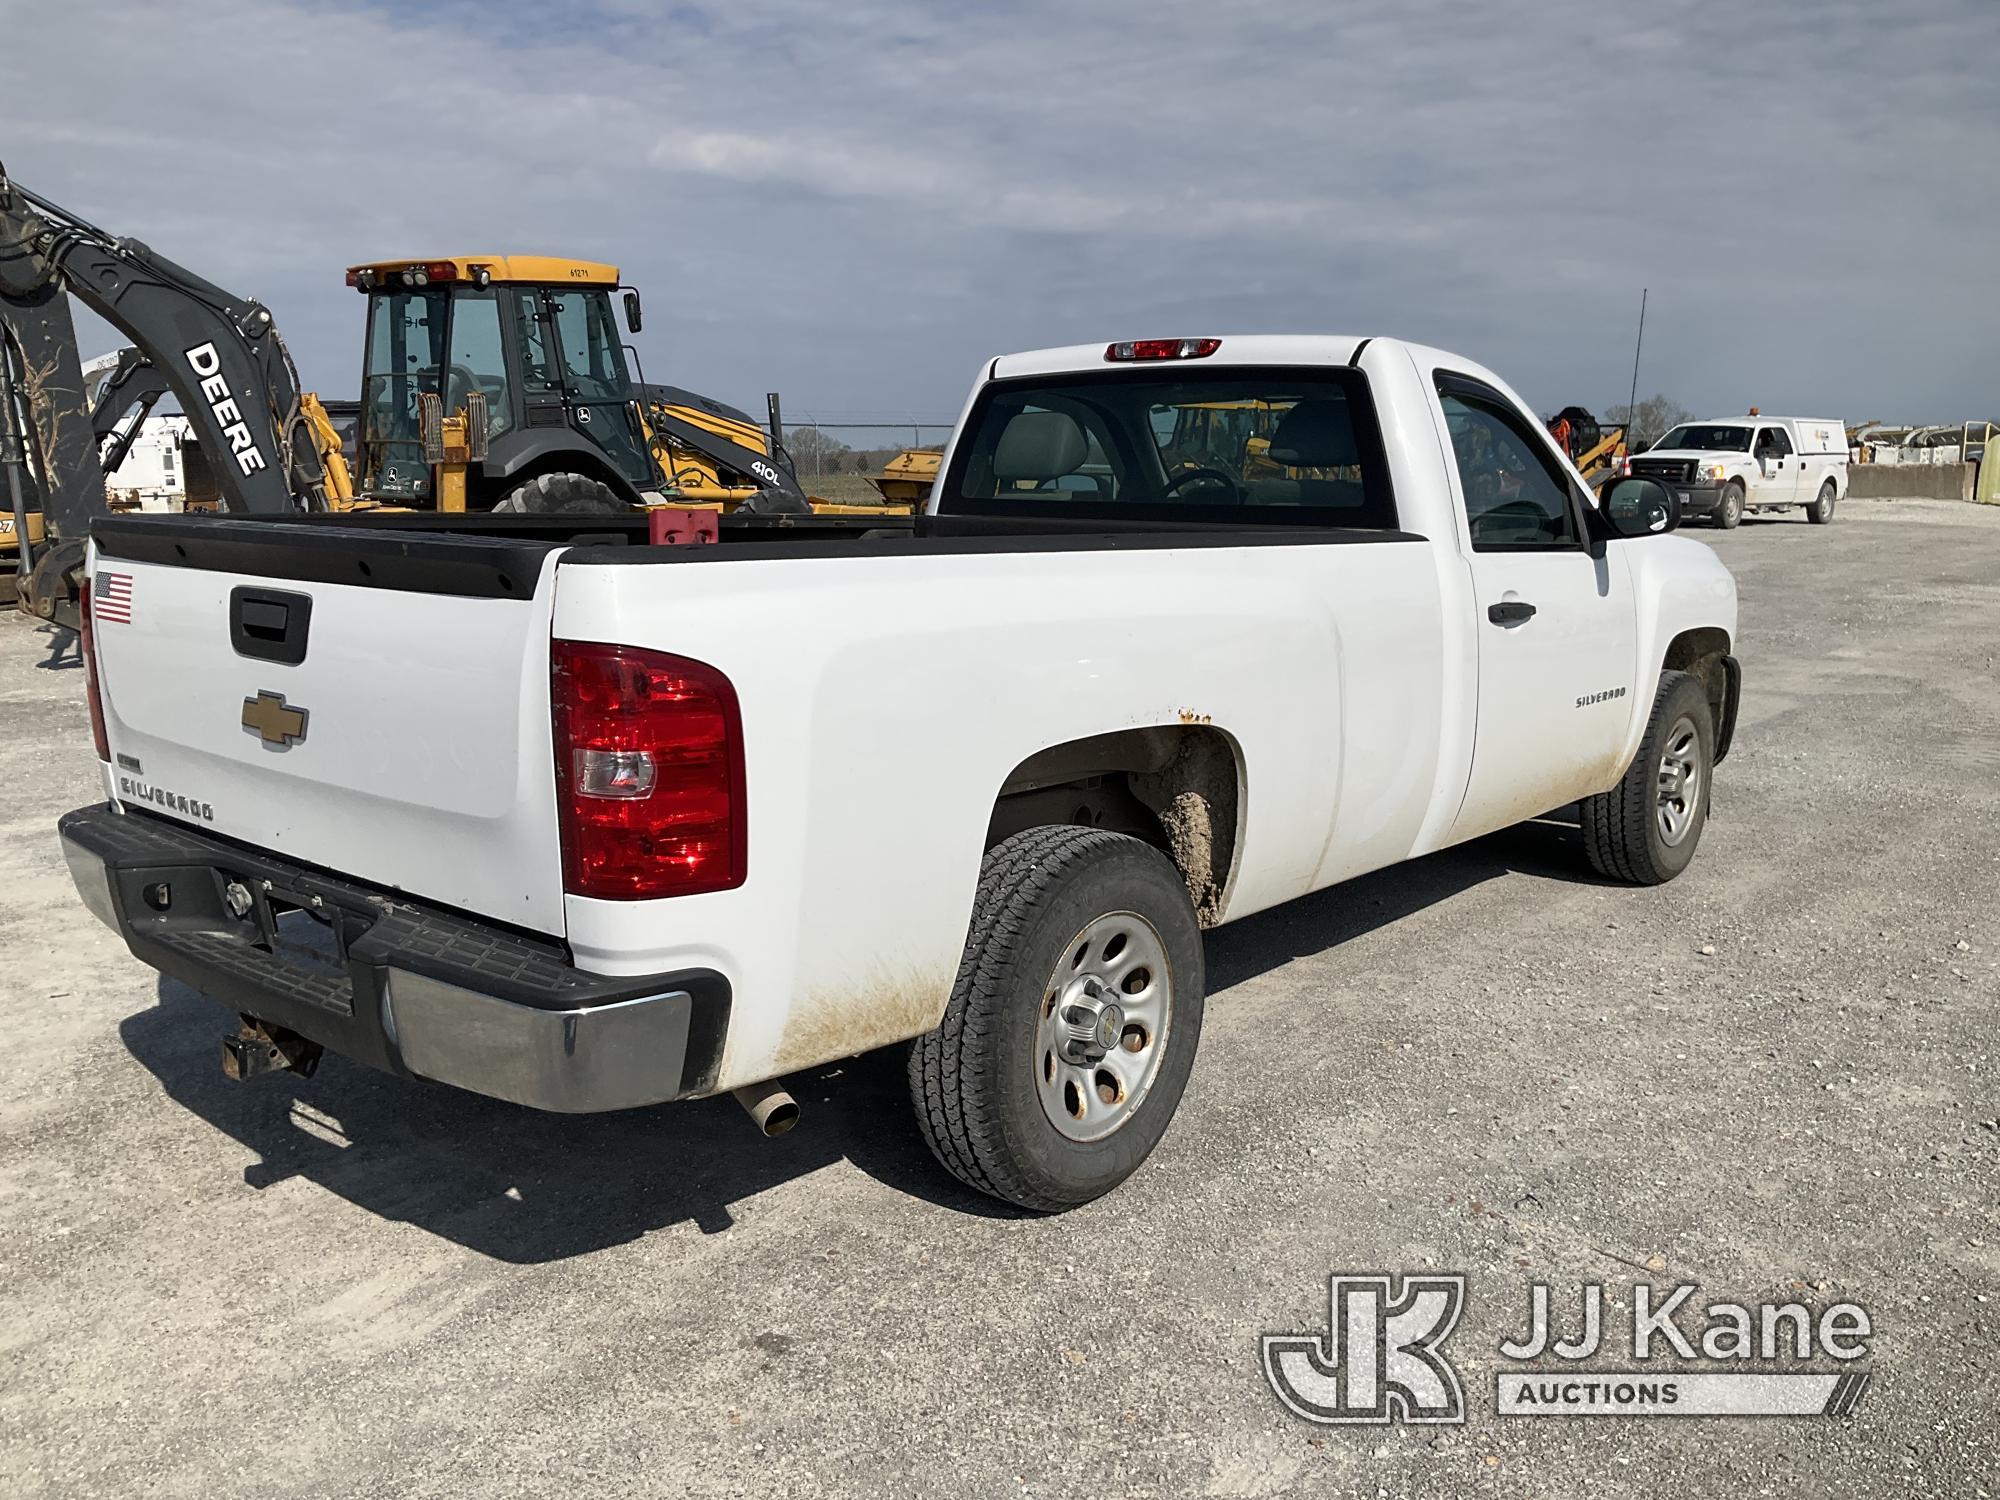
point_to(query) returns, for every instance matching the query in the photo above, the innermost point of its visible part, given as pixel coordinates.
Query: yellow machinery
(566, 429)
(1596, 450)
(10, 550)
(568, 426)
(907, 478)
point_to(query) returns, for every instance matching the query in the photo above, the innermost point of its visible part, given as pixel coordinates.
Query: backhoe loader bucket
(907, 478)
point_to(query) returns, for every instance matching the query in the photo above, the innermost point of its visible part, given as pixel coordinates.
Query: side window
(1772, 440)
(590, 347)
(478, 358)
(1515, 493)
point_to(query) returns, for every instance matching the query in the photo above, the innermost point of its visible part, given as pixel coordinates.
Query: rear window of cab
(1285, 447)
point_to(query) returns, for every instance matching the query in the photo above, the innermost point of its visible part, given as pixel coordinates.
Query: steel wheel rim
(1101, 1028)
(1677, 786)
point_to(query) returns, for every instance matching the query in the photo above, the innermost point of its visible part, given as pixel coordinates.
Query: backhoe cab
(567, 428)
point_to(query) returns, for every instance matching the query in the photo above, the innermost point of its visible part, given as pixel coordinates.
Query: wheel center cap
(1093, 1023)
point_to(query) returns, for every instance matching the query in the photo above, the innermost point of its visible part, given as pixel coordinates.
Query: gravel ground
(1774, 1077)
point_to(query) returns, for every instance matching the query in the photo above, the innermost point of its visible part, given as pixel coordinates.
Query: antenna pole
(1632, 406)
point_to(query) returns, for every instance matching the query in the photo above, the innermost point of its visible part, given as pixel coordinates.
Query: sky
(858, 204)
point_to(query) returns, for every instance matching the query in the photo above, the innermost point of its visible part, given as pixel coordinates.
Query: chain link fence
(842, 454)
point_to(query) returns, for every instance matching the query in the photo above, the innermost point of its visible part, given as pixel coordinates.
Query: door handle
(269, 624)
(1510, 611)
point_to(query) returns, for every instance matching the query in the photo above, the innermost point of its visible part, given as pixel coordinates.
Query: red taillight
(1162, 349)
(442, 270)
(87, 647)
(649, 773)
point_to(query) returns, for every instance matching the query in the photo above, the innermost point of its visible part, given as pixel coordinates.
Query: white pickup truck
(1727, 467)
(1193, 627)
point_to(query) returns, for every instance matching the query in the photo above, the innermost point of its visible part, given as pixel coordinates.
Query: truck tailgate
(373, 703)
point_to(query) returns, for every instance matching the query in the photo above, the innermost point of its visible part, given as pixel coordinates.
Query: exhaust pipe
(771, 1109)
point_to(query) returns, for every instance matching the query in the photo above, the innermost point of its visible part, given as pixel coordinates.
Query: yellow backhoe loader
(489, 382)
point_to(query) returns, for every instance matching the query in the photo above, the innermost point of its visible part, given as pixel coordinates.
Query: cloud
(857, 204)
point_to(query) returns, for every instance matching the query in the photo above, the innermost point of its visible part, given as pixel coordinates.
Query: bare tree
(814, 451)
(1650, 423)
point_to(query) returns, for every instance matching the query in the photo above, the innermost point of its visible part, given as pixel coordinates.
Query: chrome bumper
(575, 1061)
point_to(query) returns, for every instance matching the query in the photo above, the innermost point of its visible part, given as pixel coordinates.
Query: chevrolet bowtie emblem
(273, 720)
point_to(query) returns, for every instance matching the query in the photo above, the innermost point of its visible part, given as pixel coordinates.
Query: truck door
(573, 375)
(1555, 626)
(1774, 477)
(595, 380)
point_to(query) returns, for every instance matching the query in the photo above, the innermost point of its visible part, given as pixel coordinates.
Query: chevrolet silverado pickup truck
(526, 806)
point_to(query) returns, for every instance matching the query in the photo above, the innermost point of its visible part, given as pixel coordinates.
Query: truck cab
(1729, 466)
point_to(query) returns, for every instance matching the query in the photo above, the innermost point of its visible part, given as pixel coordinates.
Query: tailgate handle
(269, 624)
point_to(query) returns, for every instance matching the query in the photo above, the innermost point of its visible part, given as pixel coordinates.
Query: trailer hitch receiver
(258, 1047)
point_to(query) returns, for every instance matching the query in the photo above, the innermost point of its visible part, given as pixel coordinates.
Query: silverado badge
(273, 720)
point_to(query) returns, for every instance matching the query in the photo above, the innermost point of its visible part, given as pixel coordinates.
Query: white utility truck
(1723, 468)
(1192, 627)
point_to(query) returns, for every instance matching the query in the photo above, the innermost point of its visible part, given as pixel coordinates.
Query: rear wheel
(1073, 1024)
(1729, 510)
(562, 495)
(1820, 512)
(1645, 829)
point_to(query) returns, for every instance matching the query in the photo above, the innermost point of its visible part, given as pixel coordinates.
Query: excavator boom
(218, 353)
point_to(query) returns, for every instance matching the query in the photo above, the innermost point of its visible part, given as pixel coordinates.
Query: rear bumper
(410, 989)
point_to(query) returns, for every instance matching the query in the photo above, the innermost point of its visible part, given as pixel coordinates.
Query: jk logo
(1379, 1360)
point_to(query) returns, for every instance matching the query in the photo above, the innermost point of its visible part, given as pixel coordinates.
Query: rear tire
(1729, 509)
(1820, 512)
(562, 495)
(1645, 829)
(1069, 925)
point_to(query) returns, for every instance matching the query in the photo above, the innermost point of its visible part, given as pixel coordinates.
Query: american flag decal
(111, 599)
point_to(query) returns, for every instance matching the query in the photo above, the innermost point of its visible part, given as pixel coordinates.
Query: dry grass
(848, 487)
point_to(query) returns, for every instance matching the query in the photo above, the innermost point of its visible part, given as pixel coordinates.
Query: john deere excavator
(489, 383)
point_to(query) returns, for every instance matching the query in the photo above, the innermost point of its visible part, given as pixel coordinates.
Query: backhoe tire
(1729, 509)
(1645, 829)
(1820, 512)
(1073, 1023)
(562, 495)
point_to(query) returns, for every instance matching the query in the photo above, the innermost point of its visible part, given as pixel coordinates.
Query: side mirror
(632, 317)
(1641, 507)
